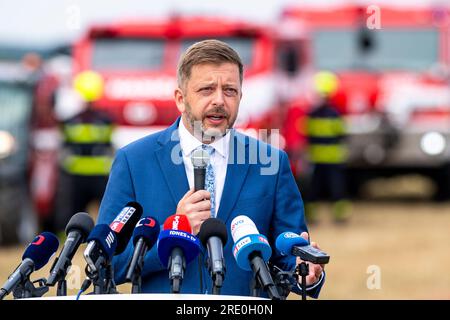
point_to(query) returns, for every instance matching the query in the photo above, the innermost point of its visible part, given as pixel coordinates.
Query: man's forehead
(209, 71)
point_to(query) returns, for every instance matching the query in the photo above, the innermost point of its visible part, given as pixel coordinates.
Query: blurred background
(357, 93)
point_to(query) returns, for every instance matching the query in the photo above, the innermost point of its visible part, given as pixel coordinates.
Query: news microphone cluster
(36, 255)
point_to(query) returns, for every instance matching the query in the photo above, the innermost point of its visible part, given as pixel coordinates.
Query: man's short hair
(207, 51)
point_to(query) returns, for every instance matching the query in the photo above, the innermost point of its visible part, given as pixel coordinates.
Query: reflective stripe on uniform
(327, 153)
(87, 165)
(87, 133)
(325, 127)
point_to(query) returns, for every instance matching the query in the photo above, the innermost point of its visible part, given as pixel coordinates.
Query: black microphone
(200, 160)
(105, 241)
(213, 235)
(123, 225)
(145, 236)
(102, 242)
(77, 231)
(34, 258)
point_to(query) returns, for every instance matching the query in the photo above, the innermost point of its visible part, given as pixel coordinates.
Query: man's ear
(179, 100)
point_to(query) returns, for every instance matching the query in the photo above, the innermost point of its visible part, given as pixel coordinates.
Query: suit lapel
(173, 169)
(236, 174)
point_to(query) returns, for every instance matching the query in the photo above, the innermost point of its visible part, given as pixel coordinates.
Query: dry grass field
(401, 249)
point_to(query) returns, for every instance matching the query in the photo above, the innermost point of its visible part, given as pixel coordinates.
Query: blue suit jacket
(144, 171)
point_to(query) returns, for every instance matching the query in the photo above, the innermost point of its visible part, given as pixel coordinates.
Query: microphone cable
(86, 284)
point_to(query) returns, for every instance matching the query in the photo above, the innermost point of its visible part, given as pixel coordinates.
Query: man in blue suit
(246, 176)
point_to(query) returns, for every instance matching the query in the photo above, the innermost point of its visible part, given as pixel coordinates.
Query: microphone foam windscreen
(242, 226)
(200, 158)
(249, 244)
(287, 240)
(41, 249)
(123, 225)
(213, 227)
(81, 222)
(178, 222)
(148, 229)
(105, 237)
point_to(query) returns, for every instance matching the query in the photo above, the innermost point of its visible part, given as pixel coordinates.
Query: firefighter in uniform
(327, 151)
(87, 153)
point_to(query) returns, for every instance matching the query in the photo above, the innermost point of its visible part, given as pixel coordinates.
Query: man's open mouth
(216, 117)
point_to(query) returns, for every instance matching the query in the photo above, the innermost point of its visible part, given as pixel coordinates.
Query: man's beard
(207, 134)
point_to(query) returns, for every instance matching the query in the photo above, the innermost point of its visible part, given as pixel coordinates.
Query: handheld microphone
(123, 225)
(77, 231)
(36, 255)
(177, 247)
(289, 243)
(213, 235)
(200, 160)
(145, 236)
(251, 251)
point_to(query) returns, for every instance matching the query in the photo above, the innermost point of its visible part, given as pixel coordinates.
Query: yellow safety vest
(324, 134)
(84, 134)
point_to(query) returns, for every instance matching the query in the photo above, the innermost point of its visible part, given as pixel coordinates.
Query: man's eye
(231, 91)
(206, 90)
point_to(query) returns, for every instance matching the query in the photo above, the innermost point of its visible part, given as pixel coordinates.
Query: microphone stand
(263, 282)
(255, 287)
(102, 278)
(216, 276)
(177, 265)
(283, 280)
(26, 289)
(303, 270)
(135, 275)
(61, 289)
(217, 283)
(60, 277)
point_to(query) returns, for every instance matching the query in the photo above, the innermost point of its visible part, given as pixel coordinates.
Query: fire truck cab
(394, 85)
(138, 61)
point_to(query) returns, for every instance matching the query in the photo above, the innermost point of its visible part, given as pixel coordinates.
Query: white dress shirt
(218, 160)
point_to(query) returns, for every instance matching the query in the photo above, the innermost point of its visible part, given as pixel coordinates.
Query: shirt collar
(189, 143)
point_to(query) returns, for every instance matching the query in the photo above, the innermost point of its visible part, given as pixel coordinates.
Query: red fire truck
(138, 62)
(393, 66)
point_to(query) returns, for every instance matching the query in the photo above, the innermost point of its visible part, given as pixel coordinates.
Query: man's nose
(218, 99)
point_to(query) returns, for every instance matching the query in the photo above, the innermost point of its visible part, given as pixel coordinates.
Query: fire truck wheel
(442, 181)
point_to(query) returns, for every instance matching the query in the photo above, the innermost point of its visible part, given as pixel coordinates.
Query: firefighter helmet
(326, 83)
(89, 85)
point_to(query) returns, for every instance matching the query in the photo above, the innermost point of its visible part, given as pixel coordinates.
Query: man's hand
(196, 206)
(315, 270)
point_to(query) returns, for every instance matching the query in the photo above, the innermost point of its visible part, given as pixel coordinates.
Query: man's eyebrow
(205, 83)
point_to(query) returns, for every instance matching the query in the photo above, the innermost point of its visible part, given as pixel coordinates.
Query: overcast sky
(44, 22)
